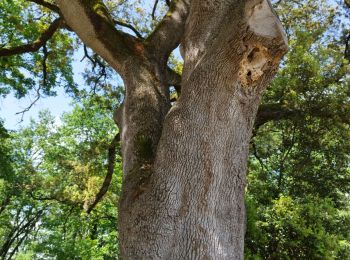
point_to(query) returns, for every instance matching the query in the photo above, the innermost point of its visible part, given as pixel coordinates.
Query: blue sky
(57, 105)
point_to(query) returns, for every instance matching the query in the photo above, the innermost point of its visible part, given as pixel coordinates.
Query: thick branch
(275, 112)
(94, 25)
(36, 45)
(167, 36)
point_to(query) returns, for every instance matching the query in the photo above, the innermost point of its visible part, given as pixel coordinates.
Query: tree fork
(192, 207)
(184, 169)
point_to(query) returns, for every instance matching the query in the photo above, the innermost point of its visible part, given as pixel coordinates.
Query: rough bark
(184, 168)
(192, 205)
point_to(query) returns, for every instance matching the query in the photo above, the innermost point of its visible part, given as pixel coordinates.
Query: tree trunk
(192, 204)
(184, 168)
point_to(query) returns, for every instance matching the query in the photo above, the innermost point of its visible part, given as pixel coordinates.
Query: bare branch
(36, 45)
(44, 83)
(130, 27)
(107, 181)
(37, 97)
(95, 61)
(154, 8)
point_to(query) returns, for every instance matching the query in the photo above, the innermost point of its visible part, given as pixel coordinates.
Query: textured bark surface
(184, 168)
(193, 205)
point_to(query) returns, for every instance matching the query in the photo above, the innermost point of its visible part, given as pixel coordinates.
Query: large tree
(184, 162)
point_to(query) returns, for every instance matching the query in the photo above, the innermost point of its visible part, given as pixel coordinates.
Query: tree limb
(276, 112)
(167, 35)
(36, 45)
(17, 231)
(107, 181)
(96, 28)
(132, 28)
(273, 112)
(44, 65)
(154, 8)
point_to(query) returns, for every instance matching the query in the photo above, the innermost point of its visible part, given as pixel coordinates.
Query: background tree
(57, 170)
(298, 188)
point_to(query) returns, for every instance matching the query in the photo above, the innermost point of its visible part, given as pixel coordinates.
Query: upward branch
(167, 35)
(36, 45)
(92, 22)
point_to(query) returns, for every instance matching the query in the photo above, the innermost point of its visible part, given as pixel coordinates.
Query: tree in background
(57, 169)
(299, 176)
(298, 171)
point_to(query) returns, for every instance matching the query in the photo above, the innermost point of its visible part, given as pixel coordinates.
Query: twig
(38, 95)
(95, 61)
